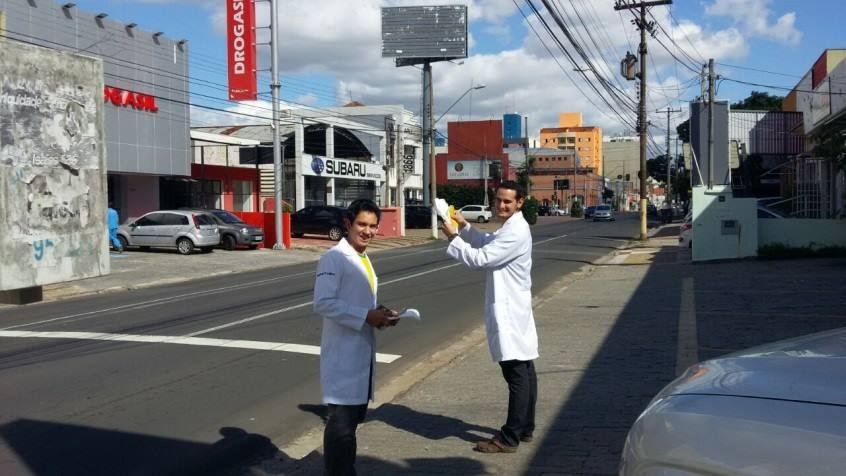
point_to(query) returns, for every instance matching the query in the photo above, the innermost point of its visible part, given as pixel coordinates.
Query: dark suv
(319, 220)
(543, 210)
(234, 232)
(419, 216)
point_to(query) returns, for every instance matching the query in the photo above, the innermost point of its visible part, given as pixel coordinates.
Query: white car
(477, 213)
(557, 212)
(777, 409)
(686, 232)
(603, 212)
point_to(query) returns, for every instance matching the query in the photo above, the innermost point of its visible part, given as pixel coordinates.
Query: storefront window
(242, 196)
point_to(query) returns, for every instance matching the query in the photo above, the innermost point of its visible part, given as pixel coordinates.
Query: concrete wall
(711, 241)
(799, 232)
(52, 167)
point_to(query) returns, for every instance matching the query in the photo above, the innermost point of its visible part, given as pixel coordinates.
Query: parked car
(233, 231)
(651, 211)
(319, 220)
(589, 212)
(543, 210)
(557, 212)
(603, 212)
(686, 232)
(477, 213)
(419, 216)
(774, 409)
(182, 229)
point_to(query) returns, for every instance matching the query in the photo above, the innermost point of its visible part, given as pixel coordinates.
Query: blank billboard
(437, 32)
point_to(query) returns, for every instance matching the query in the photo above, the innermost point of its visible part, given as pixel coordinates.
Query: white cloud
(753, 16)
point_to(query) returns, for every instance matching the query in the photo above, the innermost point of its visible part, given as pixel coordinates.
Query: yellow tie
(370, 277)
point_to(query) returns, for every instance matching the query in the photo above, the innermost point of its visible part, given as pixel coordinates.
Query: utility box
(724, 227)
(52, 167)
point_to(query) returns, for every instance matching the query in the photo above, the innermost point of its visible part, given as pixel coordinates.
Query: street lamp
(433, 169)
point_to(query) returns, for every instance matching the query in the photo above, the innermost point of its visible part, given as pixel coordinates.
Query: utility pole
(710, 123)
(526, 155)
(669, 162)
(275, 85)
(642, 124)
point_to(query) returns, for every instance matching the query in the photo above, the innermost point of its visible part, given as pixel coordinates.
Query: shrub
(576, 210)
(530, 210)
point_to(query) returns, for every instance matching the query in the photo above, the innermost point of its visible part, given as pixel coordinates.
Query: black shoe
(526, 438)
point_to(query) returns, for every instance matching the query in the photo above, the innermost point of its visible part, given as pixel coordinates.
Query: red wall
(227, 175)
(473, 141)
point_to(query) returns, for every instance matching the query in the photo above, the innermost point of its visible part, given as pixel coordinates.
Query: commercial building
(331, 156)
(571, 135)
(146, 116)
(474, 153)
(621, 161)
(817, 185)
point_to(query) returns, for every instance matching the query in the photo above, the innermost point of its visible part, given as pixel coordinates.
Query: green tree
(831, 144)
(657, 168)
(523, 173)
(759, 101)
(576, 209)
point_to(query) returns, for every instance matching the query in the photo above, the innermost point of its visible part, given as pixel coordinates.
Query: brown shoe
(494, 446)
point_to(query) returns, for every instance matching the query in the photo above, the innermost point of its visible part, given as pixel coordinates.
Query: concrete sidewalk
(135, 269)
(611, 337)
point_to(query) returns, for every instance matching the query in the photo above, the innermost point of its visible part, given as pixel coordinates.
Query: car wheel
(480, 219)
(184, 246)
(336, 233)
(228, 242)
(123, 243)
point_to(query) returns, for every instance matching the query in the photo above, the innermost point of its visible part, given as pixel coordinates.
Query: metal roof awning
(221, 139)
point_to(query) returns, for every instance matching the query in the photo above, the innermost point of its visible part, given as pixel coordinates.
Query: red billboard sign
(124, 98)
(241, 48)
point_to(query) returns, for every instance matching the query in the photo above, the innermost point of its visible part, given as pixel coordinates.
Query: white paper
(408, 314)
(442, 208)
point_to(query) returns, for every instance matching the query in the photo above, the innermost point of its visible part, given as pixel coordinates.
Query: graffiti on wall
(52, 180)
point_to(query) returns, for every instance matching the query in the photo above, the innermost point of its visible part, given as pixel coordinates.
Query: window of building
(242, 196)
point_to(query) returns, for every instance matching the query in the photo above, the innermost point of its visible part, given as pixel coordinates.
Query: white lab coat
(506, 256)
(342, 296)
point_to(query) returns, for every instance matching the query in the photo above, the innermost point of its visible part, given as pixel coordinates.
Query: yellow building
(571, 135)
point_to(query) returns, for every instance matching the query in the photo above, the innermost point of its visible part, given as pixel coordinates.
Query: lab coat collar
(346, 248)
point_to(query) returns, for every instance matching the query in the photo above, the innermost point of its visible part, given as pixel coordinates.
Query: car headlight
(244, 230)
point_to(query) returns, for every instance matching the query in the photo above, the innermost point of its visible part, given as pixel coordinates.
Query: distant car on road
(543, 210)
(319, 220)
(477, 213)
(775, 409)
(182, 229)
(557, 212)
(603, 212)
(233, 231)
(589, 212)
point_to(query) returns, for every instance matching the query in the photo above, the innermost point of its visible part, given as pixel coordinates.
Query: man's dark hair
(364, 205)
(512, 185)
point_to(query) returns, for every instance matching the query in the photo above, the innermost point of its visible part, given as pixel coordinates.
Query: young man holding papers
(345, 296)
(506, 257)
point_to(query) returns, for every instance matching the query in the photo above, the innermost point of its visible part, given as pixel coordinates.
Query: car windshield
(227, 217)
(603, 208)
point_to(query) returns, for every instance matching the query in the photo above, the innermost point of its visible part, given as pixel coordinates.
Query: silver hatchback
(180, 229)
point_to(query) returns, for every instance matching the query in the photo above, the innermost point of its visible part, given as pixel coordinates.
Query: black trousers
(339, 445)
(522, 397)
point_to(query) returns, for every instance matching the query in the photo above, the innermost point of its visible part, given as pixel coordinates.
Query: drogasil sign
(241, 49)
(124, 98)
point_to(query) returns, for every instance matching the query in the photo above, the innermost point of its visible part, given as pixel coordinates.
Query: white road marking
(154, 302)
(183, 340)
(548, 240)
(688, 353)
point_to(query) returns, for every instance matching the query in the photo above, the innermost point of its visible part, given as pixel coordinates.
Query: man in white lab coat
(345, 296)
(506, 256)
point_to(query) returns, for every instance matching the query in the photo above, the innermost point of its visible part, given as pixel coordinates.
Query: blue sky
(329, 54)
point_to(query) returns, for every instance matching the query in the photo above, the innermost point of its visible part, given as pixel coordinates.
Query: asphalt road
(190, 372)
